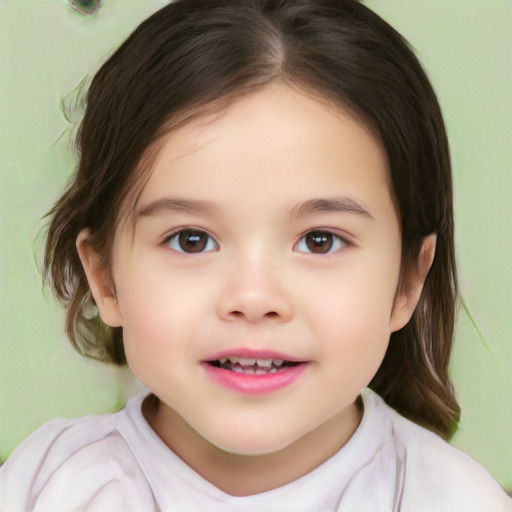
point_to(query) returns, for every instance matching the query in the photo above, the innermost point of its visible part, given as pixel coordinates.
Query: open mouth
(252, 366)
(254, 375)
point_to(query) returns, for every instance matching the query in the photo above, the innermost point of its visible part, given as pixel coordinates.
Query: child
(261, 226)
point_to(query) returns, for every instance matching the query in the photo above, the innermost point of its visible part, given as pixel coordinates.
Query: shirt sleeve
(79, 465)
(444, 479)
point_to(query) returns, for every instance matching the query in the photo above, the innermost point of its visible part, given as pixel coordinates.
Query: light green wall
(46, 49)
(466, 47)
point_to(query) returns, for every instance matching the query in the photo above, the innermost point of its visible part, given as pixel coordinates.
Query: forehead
(274, 140)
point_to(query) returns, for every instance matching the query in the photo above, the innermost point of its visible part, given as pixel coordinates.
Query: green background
(45, 51)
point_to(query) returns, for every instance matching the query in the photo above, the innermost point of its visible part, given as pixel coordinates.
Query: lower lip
(252, 384)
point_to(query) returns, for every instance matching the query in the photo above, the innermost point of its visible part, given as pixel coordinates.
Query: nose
(254, 290)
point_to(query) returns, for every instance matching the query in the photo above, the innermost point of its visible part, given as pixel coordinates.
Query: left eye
(191, 241)
(320, 242)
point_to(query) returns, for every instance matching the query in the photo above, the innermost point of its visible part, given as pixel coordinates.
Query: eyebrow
(171, 204)
(340, 204)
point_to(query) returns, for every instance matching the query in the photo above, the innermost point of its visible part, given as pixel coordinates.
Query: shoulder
(81, 464)
(440, 477)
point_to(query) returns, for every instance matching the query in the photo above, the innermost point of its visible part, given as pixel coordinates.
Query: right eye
(191, 241)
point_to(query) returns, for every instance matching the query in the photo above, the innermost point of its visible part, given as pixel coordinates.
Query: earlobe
(99, 281)
(409, 295)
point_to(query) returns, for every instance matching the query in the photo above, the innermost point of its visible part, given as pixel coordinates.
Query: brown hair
(193, 54)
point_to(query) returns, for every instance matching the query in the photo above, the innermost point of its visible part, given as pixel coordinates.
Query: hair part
(193, 57)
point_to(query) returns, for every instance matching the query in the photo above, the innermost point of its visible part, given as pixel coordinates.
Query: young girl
(261, 226)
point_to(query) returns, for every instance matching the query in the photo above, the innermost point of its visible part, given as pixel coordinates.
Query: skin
(257, 284)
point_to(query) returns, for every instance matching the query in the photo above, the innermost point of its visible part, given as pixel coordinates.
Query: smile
(254, 375)
(252, 366)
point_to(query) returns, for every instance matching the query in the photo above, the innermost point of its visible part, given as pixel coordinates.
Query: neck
(244, 475)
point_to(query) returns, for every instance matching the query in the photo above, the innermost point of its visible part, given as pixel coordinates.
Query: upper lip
(253, 354)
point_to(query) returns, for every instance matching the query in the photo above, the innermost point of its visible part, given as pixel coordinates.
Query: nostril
(240, 314)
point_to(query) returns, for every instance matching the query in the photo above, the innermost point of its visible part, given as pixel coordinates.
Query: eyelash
(210, 244)
(173, 241)
(336, 240)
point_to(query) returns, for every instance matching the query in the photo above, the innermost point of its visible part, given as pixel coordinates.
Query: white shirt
(117, 463)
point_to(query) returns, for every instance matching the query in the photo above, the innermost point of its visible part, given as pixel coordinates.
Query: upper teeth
(248, 361)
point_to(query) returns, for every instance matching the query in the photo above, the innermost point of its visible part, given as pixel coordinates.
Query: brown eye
(320, 242)
(191, 241)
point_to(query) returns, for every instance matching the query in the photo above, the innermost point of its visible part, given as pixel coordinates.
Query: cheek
(151, 297)
(352, 313)
(160, 314)
(359, 295)
(147, 313)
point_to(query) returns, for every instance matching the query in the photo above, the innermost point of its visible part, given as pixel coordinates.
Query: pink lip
(252, 384)
(255, 384)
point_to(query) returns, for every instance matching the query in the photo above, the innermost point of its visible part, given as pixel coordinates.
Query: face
(256, 289)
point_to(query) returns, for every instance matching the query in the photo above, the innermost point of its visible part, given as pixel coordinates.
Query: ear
(99, 280)
(409, 295)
